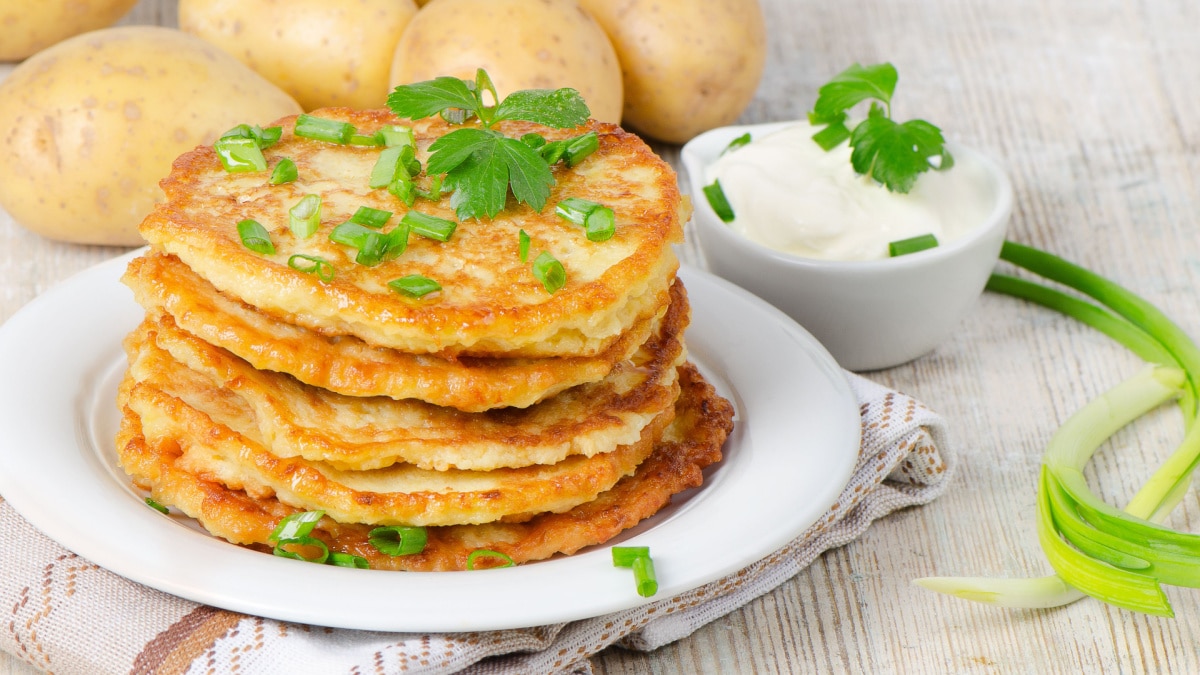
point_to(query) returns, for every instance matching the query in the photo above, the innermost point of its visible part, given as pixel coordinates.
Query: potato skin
(322, 53)
(89, 126)
(688, 65)
(522, 44)
(29, 26)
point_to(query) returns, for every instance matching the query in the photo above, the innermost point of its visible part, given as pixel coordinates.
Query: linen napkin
(67, 615)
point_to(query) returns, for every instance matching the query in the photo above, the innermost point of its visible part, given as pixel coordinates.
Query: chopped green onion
(263, 138)
(305, 542)
(831, 136)
(296, 525)
(414, 285)
(580, 147)
(372, 218)
(255, 237)
(156, 506)
(339, 559)
(397, 241)
(285, 172)
(404, 189)
(365, 139)
(312, 264)
(239, 155)
(305, 217)
(350, 234)
(386, 167)
(523, 245)
(718, 202)
(505, 560)
(321, 129)
(533, 140)
(374, 247)
(912, 245)
(398, 540)
(395, 135)
(408, 158)
(737, 143)
(429, 226)
(553, 151)
(575, 209)
(548, 270)
(600, 225)
(434, 193)
(638, 558)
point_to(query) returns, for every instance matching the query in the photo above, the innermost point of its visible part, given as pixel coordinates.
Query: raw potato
(689, 65)
(522, 44)
(29, 26)
(88, 127)
(323, 53)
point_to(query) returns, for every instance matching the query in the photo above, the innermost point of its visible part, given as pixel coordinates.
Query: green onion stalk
(1118, 556)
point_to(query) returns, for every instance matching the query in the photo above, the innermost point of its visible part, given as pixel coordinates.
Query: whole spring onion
(1118, 557)
(638, 559)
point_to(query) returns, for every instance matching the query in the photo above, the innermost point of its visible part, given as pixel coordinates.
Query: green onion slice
(296, 525)
(255, 237)
(404, 189)
(553, 151)
(322, 129)
(737, 143)
(414, 285)
(305, 542)
(305, 217)
(374, 247)
(831, 136)
(575, 209)
(386, 167)
(263, 138)
(638, 558)
(523, 245)
(718, 202)
(368, 140)
(397, 241)
(600, 225)
(398, 540)
(339, 559)
(505, 560)
(285, 172)
(312, 264)
(372, 218)
(912, 245)
(429, 226)
(156, 506)
(240, 155)
(533, 140)
(393, 135)
(580, 147)
(351, 234)
(434, 193)
(548, 270)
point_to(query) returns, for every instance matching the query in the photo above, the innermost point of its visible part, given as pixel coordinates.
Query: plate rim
(610, 589)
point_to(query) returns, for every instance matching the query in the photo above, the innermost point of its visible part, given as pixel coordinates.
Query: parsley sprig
(890, 152)
(481, 164)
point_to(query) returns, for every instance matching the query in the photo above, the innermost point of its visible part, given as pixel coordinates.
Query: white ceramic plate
(792, 452)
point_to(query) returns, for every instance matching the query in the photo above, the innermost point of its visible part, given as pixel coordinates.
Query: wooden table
(1093, 106)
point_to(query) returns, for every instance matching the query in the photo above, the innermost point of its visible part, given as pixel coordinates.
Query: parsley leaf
(481, 164)
(894, 154)
(426, 99)
(558, 108)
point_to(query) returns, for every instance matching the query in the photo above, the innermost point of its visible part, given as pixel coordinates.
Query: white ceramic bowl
(869, 314)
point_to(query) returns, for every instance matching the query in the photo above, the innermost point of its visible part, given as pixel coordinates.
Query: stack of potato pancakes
(494, 413)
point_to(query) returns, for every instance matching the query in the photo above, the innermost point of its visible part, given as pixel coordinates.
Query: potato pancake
(693, 441)
(490, 304)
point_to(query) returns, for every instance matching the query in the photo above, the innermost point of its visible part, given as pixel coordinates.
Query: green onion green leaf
(398, 540)
(737, 143)
(414, 285)
(638, 558)
(429, 226)
(394, 135)
(296, 547)
(296, 525)
(371, 217)
(240, 155)
(912, 245)
(312, 264)
(504, 559)
(255, 237)
(548, 270)
(285, 172)
(322, 129)
(339, 559)
(718, 202)
(523, 242)
(156, 506)
(305, 217)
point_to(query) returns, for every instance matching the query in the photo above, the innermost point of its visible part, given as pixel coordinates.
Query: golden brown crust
(491, 305)
(693, 441)
(294, 419)
(347, 365)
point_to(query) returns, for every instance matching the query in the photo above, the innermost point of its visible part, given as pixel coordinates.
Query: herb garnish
(890, 152)
(480, 163)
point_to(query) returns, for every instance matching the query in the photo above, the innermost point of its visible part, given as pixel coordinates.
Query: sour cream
(789, 194)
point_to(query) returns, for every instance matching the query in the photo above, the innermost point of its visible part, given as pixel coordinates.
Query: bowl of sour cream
(811, 236)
